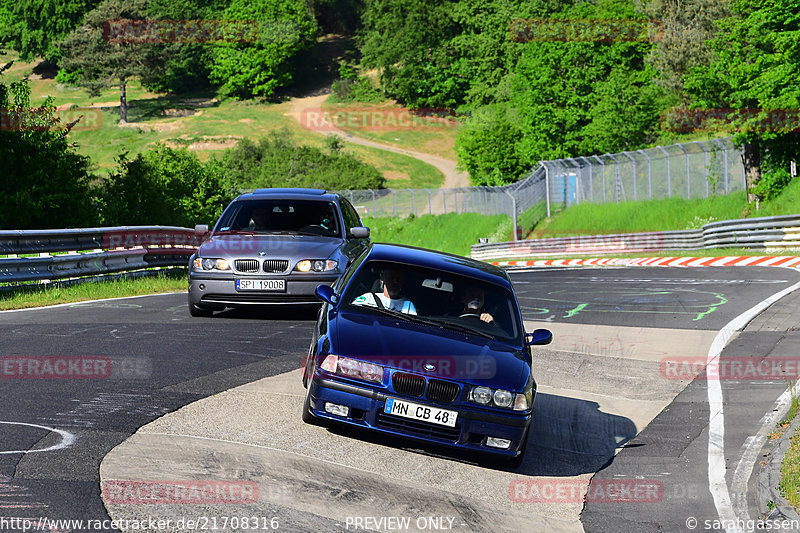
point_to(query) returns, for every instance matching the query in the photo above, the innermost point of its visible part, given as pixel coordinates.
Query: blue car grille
(423, 429)
(437, 390)
(442, 391)
(408, 384)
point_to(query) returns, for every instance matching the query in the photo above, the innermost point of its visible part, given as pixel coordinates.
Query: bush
(772, 183)
(44, 182)
(353, 88)
(164, 187)
(277, 161)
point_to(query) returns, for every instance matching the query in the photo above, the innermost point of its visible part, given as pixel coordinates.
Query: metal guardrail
(765, 233)
(59, 254)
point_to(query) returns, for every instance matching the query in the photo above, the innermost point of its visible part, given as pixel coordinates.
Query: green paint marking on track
(712, 308)
(573, 312)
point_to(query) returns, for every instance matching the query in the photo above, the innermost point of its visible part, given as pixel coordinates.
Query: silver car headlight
(208, 263)
(316, 265)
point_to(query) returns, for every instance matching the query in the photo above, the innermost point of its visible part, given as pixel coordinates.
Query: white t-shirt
(404, 305)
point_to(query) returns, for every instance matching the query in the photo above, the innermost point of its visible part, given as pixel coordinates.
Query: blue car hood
(456, 356)
(246, 244)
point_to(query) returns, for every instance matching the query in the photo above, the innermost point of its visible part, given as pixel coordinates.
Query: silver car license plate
(275, 285)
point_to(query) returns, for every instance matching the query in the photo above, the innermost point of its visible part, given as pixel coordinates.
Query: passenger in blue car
(392, 298)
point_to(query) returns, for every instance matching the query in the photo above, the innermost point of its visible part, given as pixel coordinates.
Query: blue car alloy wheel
(427, 346)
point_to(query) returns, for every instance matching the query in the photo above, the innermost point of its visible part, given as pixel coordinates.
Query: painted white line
(716, 427)
(67, 438)
(752, 448)
(68, 304)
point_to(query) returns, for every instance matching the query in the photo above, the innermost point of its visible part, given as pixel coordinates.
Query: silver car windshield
(447, 300)
(302, 217)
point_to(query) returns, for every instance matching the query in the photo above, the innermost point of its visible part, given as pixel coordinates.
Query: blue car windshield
(420, 294)
(303, 217)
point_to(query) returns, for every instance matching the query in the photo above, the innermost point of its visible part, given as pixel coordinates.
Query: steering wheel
(473, 315)
(313, 228)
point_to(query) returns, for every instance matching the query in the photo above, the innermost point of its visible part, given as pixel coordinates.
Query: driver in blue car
(392, 295)
(472, 301)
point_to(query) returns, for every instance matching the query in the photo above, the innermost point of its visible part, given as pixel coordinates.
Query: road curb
(770, 476)
(683, 262)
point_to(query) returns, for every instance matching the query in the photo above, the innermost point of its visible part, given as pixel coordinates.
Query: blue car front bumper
(366, 410)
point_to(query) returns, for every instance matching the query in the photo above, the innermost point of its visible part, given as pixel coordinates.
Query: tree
(44, 183)
(164, 186)
(101, 63)
(33, 27)
(485, 146)
(685, 26)
(261, 62)
(756, 73)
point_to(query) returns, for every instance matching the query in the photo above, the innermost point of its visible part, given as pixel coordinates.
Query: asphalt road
(165, 360)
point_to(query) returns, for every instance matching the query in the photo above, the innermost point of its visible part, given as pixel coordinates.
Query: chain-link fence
(686, 170)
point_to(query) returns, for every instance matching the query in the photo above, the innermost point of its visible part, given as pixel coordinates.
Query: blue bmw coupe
(424, 345)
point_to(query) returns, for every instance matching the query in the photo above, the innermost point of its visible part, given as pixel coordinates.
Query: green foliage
(772, 183)
(350, 87)
(262, 64)
(164, 186)
(485, 147)
(33, 27)
(44, 183)
(338, 16)
(757, 67)
(277, 161)
(685, 26)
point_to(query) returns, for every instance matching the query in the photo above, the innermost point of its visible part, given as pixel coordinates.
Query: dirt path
(452, 177)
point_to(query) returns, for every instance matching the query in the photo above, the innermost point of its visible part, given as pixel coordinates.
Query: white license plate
(416, 411)
(260, 284)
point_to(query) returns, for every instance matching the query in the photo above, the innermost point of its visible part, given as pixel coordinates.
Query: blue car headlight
(500, 398)
(344, 366)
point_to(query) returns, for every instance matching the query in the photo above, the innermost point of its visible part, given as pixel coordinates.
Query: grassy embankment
(202, 123)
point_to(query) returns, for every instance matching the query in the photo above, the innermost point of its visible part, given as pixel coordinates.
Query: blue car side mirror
(326, 294)
(539, 337)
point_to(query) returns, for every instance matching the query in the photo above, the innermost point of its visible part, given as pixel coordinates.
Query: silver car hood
(242, 245)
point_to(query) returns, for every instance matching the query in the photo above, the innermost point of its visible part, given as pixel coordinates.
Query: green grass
(790, 466)
(58, 294)
(376, 122)
(203, 123)
(703, 252)
(453, 233)
(661, 215)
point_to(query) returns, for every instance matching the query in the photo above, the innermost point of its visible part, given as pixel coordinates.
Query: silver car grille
(246, 265)
(276, 265)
